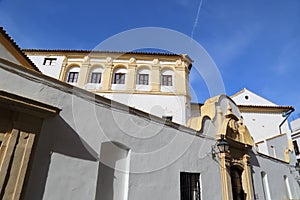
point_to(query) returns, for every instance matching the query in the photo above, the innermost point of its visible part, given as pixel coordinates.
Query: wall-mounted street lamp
(223, 146)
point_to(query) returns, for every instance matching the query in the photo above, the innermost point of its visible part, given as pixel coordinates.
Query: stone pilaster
(155, 76)
(180, 78)
(63, 70)
(83, 73)
(131, 75)
(107, 74)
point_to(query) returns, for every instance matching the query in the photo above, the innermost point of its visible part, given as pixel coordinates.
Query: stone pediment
(225, 118)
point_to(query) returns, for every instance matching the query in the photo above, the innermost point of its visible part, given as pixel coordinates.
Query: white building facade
(63, 142)
(156, 83)
(267, 123)
(295, 125)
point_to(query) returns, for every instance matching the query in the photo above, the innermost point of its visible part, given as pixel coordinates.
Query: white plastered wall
(249, 98)
(49, 70)
(159, 105)
(264, 125)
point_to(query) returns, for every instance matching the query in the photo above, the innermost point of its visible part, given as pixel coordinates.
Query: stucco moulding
(225, 117)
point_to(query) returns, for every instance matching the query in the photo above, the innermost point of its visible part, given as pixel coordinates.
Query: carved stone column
(225, 175)
(247, 178)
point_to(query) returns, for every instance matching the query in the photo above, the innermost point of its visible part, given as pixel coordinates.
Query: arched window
(119, 79)
(119, 76)
(143, 79)
(94, 79)
(96, 75)
(167, 80)
(287, 186)
(72, 75)
(265, 185)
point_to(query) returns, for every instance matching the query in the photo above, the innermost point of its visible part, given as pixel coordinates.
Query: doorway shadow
(111, 180)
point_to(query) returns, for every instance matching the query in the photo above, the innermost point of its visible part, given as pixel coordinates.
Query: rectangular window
(273, 151)
(143, 79)
(265, 185)
(96, 77)
(166, 80)
(72, 77)
(189, 186)
(119, 78)
(296, 148)
(287, 186)
(49, 61)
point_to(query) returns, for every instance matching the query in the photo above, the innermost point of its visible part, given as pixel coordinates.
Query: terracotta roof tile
(5, 34)
(265, 108)
(99, 51)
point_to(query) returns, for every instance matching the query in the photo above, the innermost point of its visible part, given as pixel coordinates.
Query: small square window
(72, 77)
(166, 80)
(119, 78)
(96, 77)
(49, 61)
(168, 118)
(143, 79)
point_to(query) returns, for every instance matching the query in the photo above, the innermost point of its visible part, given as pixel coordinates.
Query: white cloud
(289, 57)
(185, 3)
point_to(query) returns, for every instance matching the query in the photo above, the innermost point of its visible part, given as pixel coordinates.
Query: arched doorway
(236, 183)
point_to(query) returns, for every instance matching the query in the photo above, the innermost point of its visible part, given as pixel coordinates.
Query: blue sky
(255, 44)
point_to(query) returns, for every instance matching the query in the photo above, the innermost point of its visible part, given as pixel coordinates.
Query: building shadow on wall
(253, 158)
(56, 136)
(111, 176)
(254, 162)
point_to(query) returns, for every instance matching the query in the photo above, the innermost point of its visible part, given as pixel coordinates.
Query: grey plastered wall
(67, 157)
(5, 54)
(275, 170)
(280, 143)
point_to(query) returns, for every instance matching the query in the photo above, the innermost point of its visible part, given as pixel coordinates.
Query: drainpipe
(286, 115)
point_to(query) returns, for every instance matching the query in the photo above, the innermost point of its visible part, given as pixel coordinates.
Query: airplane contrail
(196, 20)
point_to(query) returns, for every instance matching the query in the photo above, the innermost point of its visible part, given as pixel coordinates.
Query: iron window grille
(72, 77)
(143, 79)
(119, 78)
(166, 80)
(189, 186)
(96, 77)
